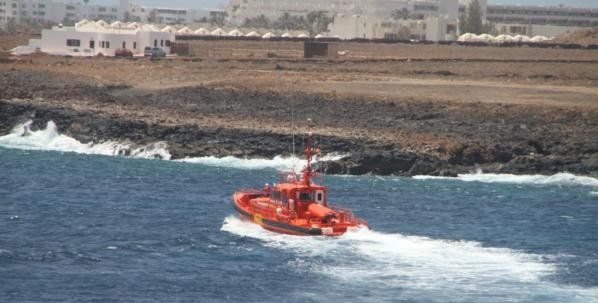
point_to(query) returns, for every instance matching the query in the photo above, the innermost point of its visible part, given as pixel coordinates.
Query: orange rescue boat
(295, 206)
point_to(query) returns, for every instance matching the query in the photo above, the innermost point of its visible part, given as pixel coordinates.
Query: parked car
(158, 52)
(123, 52)
(147, 51)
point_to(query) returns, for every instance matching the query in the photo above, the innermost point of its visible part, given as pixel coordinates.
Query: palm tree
(285, 21)
(401, 14)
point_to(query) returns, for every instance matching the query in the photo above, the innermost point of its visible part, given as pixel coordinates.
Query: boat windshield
(306, 196)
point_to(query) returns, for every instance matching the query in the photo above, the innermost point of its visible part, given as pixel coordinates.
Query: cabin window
(167, 43)
(73, 42)
(161, 42)
(92, 44)
(319, 197)
(134, 45)
(306, 196)
(124, 44)
(155, 42)
(107, 44)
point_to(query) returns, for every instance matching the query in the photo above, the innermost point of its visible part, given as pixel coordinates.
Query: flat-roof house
(92, 38)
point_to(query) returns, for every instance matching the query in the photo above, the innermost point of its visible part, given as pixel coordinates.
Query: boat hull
(277, 226)
(269, 221)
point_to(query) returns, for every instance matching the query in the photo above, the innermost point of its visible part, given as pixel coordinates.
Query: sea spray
(278, 162)
(22, 137)
(556, 179)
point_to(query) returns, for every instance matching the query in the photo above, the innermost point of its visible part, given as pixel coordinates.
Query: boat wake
(444, 270)
(22, 137)
(557, 179)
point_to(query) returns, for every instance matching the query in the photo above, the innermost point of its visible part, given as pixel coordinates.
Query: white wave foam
(594, 193)
(278, 162)
(22, 137)
(557, 179)
(419, 265)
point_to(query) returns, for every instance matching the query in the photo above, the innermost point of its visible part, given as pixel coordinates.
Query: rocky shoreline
(379, 136)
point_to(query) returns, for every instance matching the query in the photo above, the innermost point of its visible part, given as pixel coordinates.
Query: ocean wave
(557, 179)
(22, 137)
(417, 264)
(278, 162)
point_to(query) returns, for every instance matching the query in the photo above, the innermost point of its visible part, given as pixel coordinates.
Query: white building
(433, 20)
(164, 15)
(431, 28)
(540, 20)
(53, 11)
(239, 10)
(92, 38)
(70, 11)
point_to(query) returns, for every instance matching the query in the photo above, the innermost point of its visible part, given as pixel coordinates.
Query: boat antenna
(307, 172)
(293, 132)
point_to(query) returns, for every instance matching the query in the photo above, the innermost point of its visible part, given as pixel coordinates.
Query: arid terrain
(393, 109)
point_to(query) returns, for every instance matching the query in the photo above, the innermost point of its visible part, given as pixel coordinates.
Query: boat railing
(348, 216)
(251, 191)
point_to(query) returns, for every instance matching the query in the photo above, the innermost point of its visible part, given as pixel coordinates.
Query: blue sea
(78, 225)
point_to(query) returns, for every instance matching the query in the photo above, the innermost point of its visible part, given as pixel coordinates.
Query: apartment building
(51, 11)
(239, 10)
(540, 20)
(73, 11)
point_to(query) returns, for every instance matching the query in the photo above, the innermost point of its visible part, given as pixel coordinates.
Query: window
(167, 43)
(107, 44)
(124, 44)
(155, 42)
(73, 42)
(320, 197)
(134, 45)
(92, 44)
(306, 196)
(102, 44)
(161, 42)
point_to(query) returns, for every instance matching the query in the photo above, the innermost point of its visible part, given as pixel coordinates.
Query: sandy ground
(547, 83)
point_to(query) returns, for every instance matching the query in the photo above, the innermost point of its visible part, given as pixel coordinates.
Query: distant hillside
(584, 37)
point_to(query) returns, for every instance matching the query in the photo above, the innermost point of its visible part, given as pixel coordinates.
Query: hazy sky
(220, 3)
